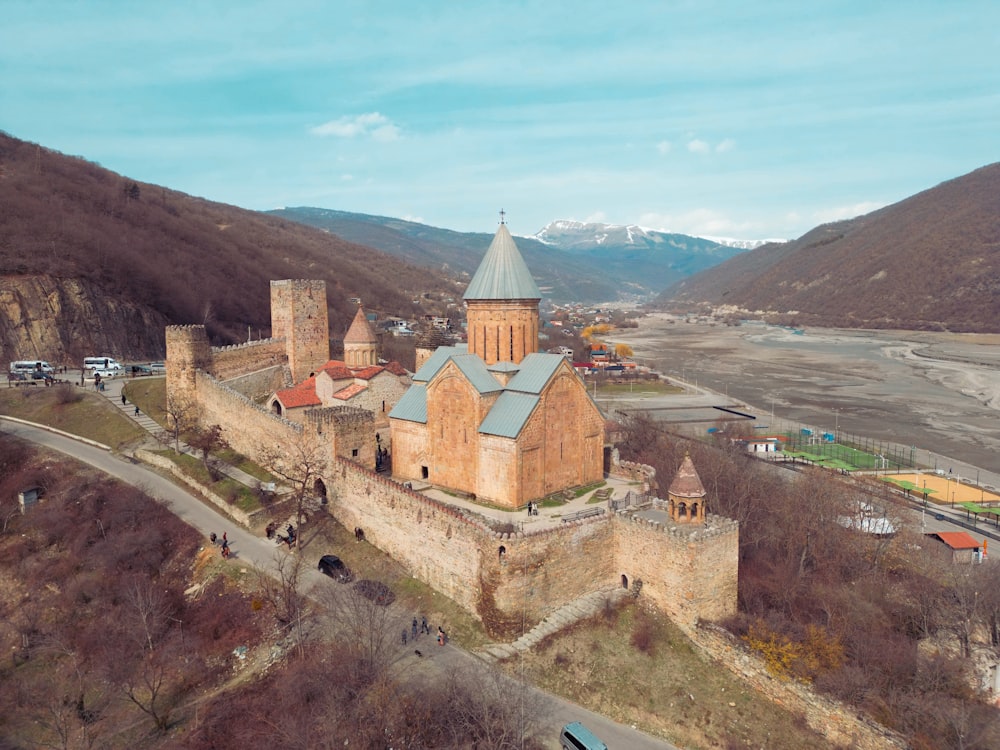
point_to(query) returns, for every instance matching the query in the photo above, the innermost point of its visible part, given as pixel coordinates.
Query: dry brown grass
(665, 688)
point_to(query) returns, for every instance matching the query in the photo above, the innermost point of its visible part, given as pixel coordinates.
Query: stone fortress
(496, 421)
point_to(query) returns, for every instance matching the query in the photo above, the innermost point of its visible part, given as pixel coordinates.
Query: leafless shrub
(68, 394)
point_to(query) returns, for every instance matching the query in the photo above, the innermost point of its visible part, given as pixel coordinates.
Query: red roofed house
(963, 547)
(356, 381)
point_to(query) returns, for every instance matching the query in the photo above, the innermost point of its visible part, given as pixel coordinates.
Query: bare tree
(208, 440)
(280, 591)
(486, 708)
(366, 630)
(180, 419)
(300, 463)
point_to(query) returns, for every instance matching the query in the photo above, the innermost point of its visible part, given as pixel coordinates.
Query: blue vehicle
(576, 736)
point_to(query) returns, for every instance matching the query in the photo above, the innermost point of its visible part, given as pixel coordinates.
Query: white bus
(100, 363)
(30, 366)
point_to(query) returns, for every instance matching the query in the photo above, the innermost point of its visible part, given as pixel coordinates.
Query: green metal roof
(475, 370)
(536, 370)
(502, 274)
(436, 361)
(412, 406)
(509, 414)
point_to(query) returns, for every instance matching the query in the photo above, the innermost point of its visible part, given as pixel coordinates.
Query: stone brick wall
(188, 352)
(246, 426)
(454, 413)
(689, 571)
(502, 330)
(299, 315)
(348, 431)
(437, 543)
(229, 362)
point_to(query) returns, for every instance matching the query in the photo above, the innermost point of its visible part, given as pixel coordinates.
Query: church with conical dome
(497, 419)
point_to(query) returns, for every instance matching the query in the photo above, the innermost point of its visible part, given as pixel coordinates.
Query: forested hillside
(93, 262)
(930, 262)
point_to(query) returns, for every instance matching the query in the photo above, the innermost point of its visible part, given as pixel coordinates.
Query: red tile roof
(367, 373)
(350, 391)
(957, 539)
(303, 394)
(396, 369)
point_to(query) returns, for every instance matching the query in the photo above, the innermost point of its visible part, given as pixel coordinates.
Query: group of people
(223, 543)
(288, 538)
(442, 637)
(532, 509)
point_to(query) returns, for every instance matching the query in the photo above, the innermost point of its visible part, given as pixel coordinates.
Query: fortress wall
(229, 362)
(246, 426)
(542, 571)
(437, 543)
(384, 389)
(260, 383)
(410, 448)
(690, 572)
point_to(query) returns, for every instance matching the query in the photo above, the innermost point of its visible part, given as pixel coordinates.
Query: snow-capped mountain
(579, 235)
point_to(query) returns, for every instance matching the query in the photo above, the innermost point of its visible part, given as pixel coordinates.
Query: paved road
(548, 711)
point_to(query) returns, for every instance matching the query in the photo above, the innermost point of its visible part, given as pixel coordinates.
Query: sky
(721, 119)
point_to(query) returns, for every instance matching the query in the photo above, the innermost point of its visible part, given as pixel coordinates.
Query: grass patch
(237, 494)
(638, 388)
(91, 416)
(150, 395)
(636, 667)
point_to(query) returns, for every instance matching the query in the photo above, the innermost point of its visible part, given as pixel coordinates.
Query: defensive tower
(299, 316)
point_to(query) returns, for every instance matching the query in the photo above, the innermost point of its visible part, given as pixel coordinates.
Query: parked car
(139, 370)
(334, 567)
(158, 368)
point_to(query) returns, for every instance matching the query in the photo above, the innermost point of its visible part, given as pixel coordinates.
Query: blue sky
(735, 119)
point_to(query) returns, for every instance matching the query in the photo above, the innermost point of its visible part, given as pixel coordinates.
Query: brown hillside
(92, 262)
(930, 262)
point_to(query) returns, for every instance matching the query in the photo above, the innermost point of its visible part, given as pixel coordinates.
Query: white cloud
(836, 213)
(726, 145)
(598, 217)
(414, 219)
(698, 146)
(371, 124)
(346, 177)
(664, 147)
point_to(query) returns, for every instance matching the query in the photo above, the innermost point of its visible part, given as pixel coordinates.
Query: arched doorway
(319, 489)
(624, 581)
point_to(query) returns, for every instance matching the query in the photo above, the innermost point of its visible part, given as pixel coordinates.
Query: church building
(497, 419)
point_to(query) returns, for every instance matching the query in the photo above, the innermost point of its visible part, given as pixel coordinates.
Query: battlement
(247, 345)
(338, 415)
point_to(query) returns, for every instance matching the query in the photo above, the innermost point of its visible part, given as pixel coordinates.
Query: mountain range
(95, 263)
(571, 261)
(929, 262)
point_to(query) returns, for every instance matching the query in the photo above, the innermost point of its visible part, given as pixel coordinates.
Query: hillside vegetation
(930, 262)
(93, 262)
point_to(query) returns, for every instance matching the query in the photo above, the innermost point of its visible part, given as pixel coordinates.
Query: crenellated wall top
(339, 415)
(714, 525)
(233, 393)
(247, 345)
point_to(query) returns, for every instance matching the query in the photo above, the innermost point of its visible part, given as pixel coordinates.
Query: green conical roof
(503, 273)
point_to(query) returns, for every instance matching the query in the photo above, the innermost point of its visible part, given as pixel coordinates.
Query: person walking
(123, 398)
(442, 636)
(137, 411)
(424, 627)
(404, 636)
(413, 629)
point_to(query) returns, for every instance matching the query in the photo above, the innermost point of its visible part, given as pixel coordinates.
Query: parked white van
(30, 366)
(100, 363)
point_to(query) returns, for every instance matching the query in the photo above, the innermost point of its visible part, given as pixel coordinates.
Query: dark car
(334, 567)
(139, 370)
(939, 516)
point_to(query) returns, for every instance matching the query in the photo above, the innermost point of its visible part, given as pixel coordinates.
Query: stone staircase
(579, 609)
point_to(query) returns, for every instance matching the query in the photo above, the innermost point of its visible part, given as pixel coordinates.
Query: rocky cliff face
(64, 320)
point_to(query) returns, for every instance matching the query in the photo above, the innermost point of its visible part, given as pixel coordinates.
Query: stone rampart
(438, 543)
(690, 571)
(229, 362)
(247, 427)
(260, 384)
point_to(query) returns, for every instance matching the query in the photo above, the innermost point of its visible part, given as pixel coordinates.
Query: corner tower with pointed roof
(686, 496)
(360, 342)
(502, 304)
